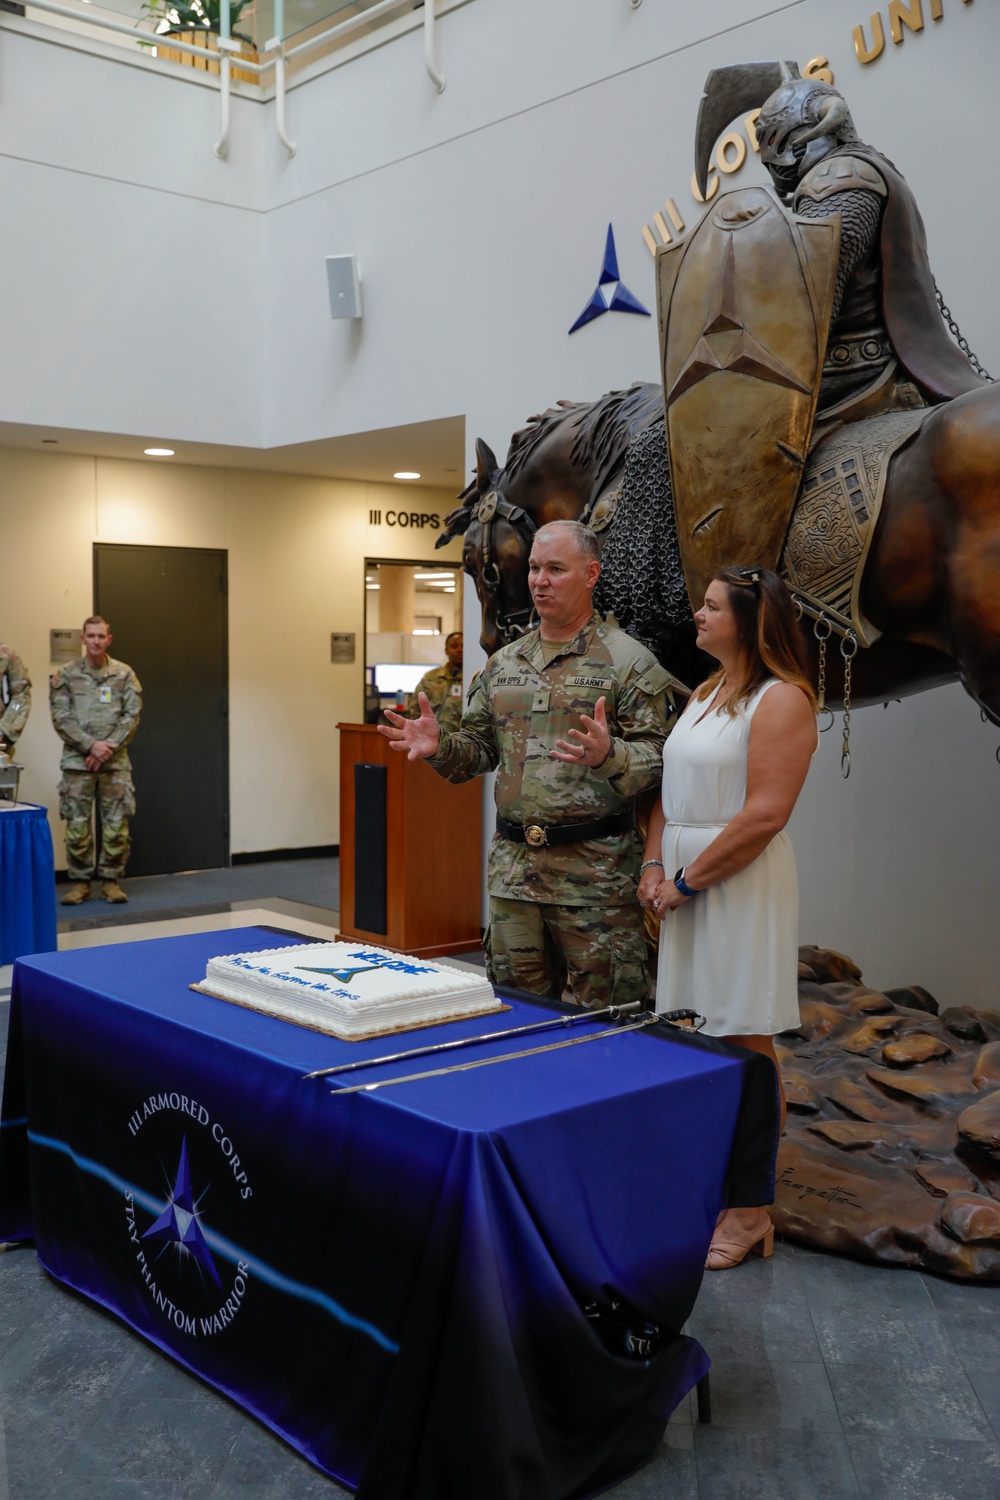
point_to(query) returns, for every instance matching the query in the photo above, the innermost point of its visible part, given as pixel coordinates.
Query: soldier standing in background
(443, 687)
(564, 863)
(15, 697)
(95, 703)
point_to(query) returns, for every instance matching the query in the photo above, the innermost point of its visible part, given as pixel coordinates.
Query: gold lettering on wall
(901, 13)
(731, 152)
(661, 228)
(818, 67)
(675, 217)
(866, 54)
(713, 186)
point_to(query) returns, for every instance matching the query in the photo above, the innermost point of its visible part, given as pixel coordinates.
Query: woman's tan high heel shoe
(727, 1251)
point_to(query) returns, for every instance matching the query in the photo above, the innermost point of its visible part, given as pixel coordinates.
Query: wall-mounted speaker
(344, 285)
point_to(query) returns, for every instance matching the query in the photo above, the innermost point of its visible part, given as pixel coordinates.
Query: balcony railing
(269, 44)
(258, 46)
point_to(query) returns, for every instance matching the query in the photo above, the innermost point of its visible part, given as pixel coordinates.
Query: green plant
(199, 15)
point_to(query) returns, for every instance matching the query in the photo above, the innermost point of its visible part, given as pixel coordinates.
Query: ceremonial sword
(648, 1018)
(612, 1011)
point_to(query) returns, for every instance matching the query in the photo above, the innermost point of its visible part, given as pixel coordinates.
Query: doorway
(167, 609)
(411, 608)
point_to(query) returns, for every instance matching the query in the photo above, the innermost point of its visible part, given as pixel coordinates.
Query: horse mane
(598, 442)
(600, 427)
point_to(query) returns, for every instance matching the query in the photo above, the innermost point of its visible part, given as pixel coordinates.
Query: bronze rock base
(892, 1147)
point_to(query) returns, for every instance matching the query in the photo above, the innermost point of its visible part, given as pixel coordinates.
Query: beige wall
(296, 549)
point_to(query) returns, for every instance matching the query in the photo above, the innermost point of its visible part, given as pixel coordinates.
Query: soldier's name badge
(104, 694)
(516, 681)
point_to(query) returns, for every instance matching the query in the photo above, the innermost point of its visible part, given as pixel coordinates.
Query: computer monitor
(393, 677)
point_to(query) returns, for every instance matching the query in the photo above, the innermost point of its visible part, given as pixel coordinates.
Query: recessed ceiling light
(373, 587)
(158, 452)
(406, 474)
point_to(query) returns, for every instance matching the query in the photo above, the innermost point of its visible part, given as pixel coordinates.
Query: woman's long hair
(769, 632)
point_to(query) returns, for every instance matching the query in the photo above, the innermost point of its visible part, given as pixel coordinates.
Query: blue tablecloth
(27, 884)
(392, 1281)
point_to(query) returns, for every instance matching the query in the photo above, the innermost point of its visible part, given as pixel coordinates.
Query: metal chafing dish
(10, 777)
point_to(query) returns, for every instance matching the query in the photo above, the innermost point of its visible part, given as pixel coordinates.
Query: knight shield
(745, 304)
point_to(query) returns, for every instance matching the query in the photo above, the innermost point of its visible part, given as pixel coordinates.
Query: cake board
(365, 1036)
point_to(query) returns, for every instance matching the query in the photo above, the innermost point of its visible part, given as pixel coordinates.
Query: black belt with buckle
(537, 834)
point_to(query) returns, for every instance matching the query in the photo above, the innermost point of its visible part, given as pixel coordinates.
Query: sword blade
(647, 1019)
(472, 1041)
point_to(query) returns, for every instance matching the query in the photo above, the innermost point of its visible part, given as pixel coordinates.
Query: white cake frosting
(350, 989)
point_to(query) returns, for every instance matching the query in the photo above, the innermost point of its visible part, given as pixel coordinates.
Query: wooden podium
(410, 850)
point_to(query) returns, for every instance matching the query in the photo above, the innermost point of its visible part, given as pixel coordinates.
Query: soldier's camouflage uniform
(567, 914)
(443, 686)
(88, 704)
(15, 695)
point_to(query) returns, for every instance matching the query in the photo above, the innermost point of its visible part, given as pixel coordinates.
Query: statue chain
(848, 648)
(956, 334)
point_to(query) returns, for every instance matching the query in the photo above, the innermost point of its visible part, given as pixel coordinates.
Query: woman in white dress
(732, 771)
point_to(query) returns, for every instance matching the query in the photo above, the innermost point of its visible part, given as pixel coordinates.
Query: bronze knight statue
(779, 322)
(823, 415)
(887, 346)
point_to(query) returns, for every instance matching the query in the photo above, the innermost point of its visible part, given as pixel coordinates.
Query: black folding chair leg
(704, 1400)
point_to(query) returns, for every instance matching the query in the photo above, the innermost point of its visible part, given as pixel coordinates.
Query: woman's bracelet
(651, 864)
(681, 883)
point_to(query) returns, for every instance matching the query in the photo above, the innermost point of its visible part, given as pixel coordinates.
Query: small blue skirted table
(27, 882)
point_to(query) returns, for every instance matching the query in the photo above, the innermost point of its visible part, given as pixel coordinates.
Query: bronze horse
(931, 582)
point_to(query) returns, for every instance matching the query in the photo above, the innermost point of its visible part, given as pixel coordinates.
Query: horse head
(495, 554)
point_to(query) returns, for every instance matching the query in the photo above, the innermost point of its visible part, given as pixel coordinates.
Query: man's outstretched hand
(418, 737)
(590, 745)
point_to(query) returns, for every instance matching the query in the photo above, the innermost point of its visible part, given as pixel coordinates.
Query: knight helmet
(801, 119)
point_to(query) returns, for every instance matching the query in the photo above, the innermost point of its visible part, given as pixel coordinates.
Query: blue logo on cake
(343, 975)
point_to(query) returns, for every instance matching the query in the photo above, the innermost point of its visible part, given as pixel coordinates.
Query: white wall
(478, 217)
(899, 866)
(296, 548)
(130, 256)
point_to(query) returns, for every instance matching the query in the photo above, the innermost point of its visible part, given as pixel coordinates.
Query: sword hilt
(682, 1017)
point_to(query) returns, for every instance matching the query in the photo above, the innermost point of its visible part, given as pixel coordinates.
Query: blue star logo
(621, 299)
(344, 975)
(178, 1224)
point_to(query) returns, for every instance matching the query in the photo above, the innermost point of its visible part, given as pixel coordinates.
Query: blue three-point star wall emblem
(610, 286)
(178, 1224)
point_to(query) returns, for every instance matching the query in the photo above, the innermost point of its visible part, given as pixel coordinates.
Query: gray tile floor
(831, 1380)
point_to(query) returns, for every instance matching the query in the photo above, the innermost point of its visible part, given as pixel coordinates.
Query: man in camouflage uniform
(443, 687)
(95, 704)
(15, 697)
(564, 863)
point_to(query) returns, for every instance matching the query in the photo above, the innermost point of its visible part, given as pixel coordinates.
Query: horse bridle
(509, 623)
